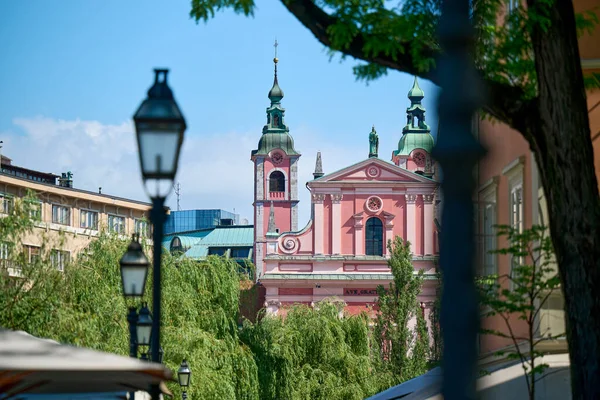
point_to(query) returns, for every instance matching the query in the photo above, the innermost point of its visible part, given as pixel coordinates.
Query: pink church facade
(341, 253)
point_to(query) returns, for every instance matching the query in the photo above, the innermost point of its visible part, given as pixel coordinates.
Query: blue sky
(73, 72)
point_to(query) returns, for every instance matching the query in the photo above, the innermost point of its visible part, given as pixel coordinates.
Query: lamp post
(144, 329)
(134, 270)
(159, 126)
(183, 375)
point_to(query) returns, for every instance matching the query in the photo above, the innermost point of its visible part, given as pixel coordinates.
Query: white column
(336, 223)
(411, 221)
(318, 221)
(428, 223)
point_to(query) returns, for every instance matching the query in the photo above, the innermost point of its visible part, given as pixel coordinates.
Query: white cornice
(514, 165)
(490, 184)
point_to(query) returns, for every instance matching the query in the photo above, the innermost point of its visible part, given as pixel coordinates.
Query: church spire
(318, 167)
(275, 94)
(276, 134)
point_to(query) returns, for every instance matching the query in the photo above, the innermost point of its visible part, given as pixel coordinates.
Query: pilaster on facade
(389, 229)
(293, 178)
(294, 216)
(259, 229)
(411, 220)
(336, 222)
(259, 178)
(359, 249)
(317, 199)
(428, 223)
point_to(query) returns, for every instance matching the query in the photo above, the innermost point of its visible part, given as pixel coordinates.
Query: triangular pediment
(374, 169)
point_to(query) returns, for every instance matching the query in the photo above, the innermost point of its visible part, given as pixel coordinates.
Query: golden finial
(275, 60)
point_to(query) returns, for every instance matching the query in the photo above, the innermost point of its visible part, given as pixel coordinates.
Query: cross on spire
(275, 45)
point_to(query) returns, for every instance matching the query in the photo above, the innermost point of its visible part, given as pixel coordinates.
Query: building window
(516, 208)
(6, 204)
(4, 254)
(32, 253)
(35, 210)
(240, 252)
(374, 237)
(142, 227)
(116, 224)
(60, 258)
(552, 316)
(61, 214)
(277, 182)
(176, 247)
(217, 251)
(488, 240)
(88, 219)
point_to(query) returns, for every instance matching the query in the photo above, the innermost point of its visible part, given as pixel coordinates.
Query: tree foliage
(403, 349)
(521, 295)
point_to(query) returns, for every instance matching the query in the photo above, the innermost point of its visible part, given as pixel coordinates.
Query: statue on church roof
(373, 143)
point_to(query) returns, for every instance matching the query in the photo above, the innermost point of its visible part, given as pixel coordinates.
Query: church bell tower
(275, 177)
(416, 143)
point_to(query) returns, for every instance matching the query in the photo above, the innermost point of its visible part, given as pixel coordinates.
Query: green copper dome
(411, 141)
(270, 141)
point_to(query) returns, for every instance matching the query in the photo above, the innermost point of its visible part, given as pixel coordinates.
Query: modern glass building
(193, 220)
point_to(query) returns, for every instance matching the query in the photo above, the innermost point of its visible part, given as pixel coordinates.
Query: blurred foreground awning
(30, 365)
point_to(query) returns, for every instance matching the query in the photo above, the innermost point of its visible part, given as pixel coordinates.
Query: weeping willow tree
(314, 353)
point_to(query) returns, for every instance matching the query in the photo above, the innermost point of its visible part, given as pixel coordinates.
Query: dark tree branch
(504, 102)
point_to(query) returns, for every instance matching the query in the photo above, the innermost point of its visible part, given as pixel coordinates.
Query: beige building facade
(67, 219)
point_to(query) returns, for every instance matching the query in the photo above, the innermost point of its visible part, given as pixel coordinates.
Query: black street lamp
(159, 126)
(134, 270)
(183, 375)
(144, 327)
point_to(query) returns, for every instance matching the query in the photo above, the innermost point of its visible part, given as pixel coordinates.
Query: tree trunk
(559, 133)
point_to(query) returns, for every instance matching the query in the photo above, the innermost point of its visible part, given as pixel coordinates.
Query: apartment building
(67, 218)
(510, 193)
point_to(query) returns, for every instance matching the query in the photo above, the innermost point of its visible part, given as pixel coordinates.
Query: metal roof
(221, 236)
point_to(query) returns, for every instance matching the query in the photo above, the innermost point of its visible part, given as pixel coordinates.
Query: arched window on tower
(277, 182)
(374, 237)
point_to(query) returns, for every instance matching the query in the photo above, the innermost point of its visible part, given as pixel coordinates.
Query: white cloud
(215, 170)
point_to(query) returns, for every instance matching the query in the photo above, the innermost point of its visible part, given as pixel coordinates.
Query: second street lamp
(134, 270)
(159, 126)
(144, 327)
(183, 376)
